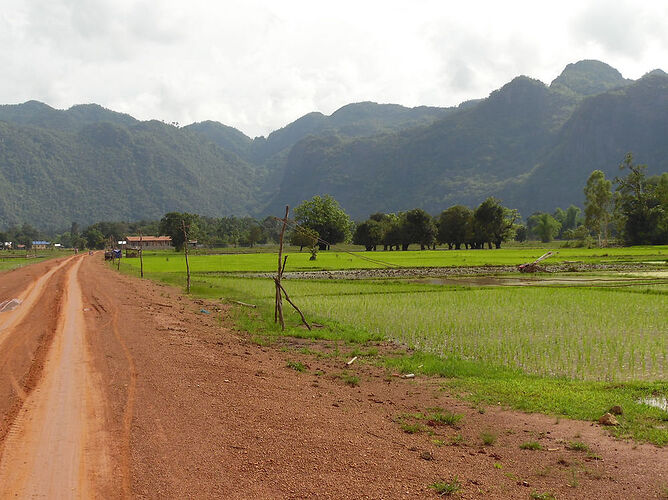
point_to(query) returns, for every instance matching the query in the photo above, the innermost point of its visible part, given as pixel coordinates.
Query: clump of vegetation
(446, 488)
(445, 418)
(488, 438)
(456, 440)
(411, 428)
(296, 366)
(349, 379)
(577, 446)
(542, 496)
(531, 445)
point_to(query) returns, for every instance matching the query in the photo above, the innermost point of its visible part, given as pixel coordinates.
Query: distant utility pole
(141, 255)
(185, 249)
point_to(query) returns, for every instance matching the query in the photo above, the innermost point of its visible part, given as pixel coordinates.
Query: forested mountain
(530, 144)
(50, 177)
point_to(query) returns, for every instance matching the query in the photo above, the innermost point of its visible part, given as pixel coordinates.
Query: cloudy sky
(258, 65)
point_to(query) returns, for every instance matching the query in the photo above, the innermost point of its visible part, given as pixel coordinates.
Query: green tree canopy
(546, 228)
(369, 234)
(173, 224)
(327, 218)
(598, 203)
(641, 204)
(453, 225)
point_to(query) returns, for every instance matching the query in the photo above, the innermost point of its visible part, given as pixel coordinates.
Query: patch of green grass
(412, 428)
(531, 445)
(542, 496)
(445, 418)
(446, 488)
(456, 440)
(349, 379)
(577, 446)
(296, 365)
(488, 438)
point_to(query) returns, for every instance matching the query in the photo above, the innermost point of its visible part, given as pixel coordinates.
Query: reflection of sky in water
(657, 401)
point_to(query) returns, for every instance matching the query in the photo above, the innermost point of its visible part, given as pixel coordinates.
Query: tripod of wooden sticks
(280, 291)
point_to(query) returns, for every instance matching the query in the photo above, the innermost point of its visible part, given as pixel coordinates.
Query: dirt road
(113, 387)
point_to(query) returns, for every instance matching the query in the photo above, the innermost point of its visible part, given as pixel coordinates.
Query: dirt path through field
(56, 447)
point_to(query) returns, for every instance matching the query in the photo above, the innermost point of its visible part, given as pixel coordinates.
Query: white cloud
(258, 65)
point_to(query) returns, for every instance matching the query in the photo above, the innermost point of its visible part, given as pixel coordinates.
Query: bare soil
(191, 408)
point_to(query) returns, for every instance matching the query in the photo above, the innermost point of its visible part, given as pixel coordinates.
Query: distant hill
(586, 78)
(530, 144)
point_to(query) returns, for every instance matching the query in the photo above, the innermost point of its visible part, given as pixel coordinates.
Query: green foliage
(641, 205)
(493, 223)
(297, 366)
(179, 226)
(545, 227)
(598, 204)
(531, 445)
(304, 237)
(488, 438)
(446, 488)
(327, 218)
(368, 234)
(454, 226)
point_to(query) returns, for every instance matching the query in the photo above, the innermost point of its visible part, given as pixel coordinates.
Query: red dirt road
(112, 387)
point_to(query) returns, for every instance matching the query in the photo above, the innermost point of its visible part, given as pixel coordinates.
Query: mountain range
(529, 144)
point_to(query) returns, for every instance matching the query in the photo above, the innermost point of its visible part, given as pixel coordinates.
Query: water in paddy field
(660, 402)
(9, 305)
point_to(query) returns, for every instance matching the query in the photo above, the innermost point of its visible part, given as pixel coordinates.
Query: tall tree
(547, 227)
(453, 225)
(640, 206)
(494, 222)
(325, 216)
(598, 203)
(369, 233)
(172, 224)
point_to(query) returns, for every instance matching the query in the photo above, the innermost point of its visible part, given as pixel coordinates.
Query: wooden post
(141, 254)
(185, 249)
(278, 310)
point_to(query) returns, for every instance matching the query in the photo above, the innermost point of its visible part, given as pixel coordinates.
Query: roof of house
(146, 239)
(41, 242)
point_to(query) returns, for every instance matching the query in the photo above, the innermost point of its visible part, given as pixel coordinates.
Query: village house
(41, 245)
(149, 242)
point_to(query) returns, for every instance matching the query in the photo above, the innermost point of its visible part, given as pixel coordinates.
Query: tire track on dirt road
(57, 446)
(26, 332)
(29, 297)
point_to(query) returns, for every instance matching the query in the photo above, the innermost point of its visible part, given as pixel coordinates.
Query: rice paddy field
(553, 330)
(169, 261)
(600, 327)
(14, 259)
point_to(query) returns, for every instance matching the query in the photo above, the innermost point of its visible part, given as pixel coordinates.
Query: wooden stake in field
(141, 256)
(185, 249)
(280, 291)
